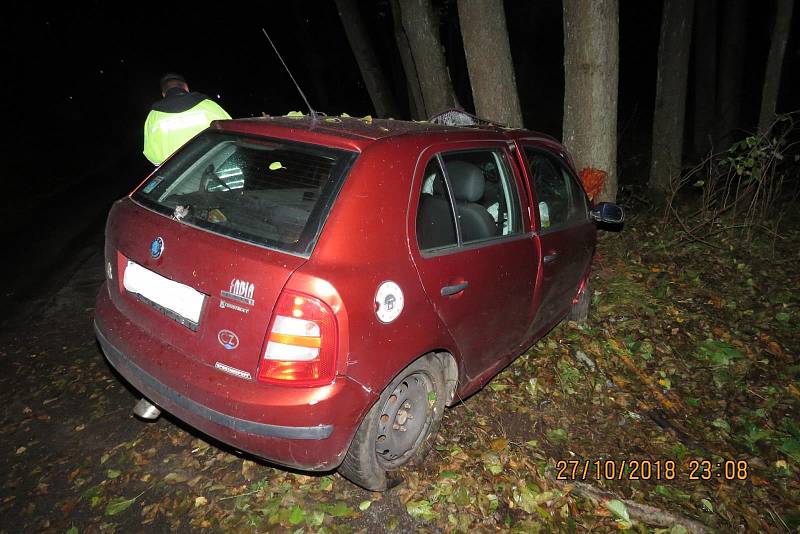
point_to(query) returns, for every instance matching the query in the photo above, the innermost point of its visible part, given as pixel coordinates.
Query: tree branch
(644, 513)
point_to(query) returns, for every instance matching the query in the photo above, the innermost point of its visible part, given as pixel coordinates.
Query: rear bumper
(127, 368)
(305, 428)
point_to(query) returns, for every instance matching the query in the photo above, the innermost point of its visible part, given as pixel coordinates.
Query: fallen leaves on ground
(688, 367)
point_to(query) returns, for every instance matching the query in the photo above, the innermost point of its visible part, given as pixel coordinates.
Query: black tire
(580, 310)
(399, 427)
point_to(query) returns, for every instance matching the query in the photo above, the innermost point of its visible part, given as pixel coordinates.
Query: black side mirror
(608, 213)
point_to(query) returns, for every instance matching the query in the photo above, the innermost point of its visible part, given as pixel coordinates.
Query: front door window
(562, 202)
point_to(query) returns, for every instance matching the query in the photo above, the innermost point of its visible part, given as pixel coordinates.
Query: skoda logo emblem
(228, 339)
(157, 248)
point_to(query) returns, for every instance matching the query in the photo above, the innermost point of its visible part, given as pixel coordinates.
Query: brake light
(301, 347)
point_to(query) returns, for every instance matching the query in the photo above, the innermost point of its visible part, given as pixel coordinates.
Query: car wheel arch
(452, 369)
(361, 464)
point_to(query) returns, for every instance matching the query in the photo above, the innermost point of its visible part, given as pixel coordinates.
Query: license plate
(178, 298)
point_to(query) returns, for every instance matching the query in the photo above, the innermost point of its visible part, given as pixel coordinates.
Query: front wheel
(400, 425)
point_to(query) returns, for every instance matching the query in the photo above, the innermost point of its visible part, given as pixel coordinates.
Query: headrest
(467, 180)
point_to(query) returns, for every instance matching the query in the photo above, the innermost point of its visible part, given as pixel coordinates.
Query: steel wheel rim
(404, 420)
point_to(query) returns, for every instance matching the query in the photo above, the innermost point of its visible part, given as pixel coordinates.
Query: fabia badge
(228, 339)
(388, 302)
(157, 248)
(241, 291)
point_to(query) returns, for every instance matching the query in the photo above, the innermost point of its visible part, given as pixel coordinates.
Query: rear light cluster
(301, 347)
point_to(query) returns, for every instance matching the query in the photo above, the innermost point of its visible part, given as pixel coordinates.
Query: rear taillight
(122, 263)
(301, 347)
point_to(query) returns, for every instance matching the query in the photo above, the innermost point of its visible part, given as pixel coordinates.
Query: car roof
(360, 132)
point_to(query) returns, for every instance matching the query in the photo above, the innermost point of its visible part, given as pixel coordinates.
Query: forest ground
(691, 355)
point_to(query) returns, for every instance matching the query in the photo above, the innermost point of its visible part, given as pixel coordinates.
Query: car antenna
(314, 114)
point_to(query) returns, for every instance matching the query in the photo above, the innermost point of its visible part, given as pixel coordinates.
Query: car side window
(436, 227)
(479, 187)
(562, 201)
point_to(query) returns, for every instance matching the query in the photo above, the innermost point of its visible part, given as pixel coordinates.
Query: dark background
(79, 79)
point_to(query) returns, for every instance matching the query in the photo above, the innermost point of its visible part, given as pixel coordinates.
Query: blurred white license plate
(178, 298)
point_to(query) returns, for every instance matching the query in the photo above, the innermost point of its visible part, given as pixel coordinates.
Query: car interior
(481, 201)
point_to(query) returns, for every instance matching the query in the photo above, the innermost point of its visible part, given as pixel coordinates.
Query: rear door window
(436, 226)
(478, 187)
(269, 192)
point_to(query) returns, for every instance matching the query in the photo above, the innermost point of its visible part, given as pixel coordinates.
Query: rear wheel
(580, 309)
(400, 426)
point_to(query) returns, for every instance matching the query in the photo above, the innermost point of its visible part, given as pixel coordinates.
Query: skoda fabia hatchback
(316, 291)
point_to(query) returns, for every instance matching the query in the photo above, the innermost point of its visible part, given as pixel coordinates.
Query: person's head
(168, 81)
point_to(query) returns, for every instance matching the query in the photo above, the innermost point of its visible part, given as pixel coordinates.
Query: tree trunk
(705, 75)
(378, 88)
(731, 71)
(670, 108)
(491, 70)
(772, 76)
(421, 25)
(591, 77)
(416, 104)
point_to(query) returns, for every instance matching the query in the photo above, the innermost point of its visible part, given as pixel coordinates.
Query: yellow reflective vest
(176, 119)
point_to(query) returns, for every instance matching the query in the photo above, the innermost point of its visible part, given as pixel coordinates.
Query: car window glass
(484, 193)
(269, 192)
(561, 200)
(436, 227)
(578, 212)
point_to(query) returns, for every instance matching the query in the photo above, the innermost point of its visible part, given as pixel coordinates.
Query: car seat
(435, 220)
(468, 185)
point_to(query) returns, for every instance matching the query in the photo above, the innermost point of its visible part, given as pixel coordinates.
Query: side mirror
(608, 213)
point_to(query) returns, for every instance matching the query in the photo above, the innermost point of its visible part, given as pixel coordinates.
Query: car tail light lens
(301, 347)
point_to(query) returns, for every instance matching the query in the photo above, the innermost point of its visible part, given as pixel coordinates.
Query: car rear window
(270, 192)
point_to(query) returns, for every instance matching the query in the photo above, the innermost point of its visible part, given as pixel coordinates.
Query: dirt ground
(676, 409)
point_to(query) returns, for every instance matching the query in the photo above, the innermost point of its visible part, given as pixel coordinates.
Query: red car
(315, 291)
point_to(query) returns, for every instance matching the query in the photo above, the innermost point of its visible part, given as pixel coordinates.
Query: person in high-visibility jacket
(176, 118)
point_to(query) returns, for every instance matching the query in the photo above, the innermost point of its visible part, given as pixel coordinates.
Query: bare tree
(591, 77)
(377, 86)
(705, 74)
(670, 109)
(772, 77)
(416, 104)
(491, 70)
(421, 26)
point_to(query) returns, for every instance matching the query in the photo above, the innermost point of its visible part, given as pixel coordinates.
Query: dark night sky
(81, 76)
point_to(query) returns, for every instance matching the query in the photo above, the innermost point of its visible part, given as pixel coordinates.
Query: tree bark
(670, 108)
(416, 104)
(772, 76)
(377, 86)
(421, 26)
(591, 77)
(705, 75)
(491, 70)
(731, 71)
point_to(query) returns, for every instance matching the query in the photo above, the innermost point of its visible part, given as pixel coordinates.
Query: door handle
(449, 291)
(550, 258)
